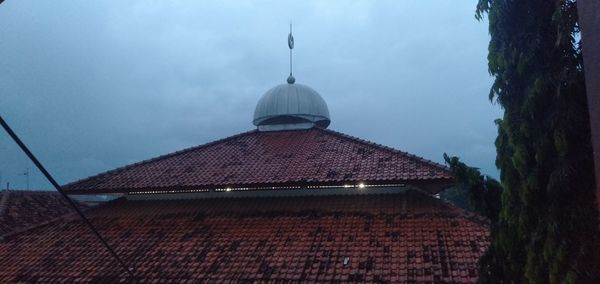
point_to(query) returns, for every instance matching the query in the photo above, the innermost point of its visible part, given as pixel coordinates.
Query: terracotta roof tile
(309, 239)
(20, 209)
(301, 157)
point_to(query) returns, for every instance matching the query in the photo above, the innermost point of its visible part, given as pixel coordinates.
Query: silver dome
(291, 106)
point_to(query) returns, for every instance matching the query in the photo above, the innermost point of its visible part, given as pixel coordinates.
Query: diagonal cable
(59, 189)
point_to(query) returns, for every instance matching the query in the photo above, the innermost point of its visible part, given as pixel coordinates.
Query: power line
(69, 200)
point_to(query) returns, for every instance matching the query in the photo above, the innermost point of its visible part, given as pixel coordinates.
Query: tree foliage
(547, 229)
(482, 192)
(458, 196)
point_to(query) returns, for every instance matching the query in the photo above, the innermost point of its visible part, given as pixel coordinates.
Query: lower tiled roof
(21, 209)
(282, 158)
(384, 238)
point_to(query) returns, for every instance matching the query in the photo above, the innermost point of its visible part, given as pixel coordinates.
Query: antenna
(26, 174)
(291, 78)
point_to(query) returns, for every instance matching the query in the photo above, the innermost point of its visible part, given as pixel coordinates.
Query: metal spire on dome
(291, 106)
(291, 78)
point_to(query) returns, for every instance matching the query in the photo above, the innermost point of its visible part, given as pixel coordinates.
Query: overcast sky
(94, 85)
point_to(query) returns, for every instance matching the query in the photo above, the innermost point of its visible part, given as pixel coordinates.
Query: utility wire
(59, 189)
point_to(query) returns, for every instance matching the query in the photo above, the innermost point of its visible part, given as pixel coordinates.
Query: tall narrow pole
(291, 45)
(291, 78)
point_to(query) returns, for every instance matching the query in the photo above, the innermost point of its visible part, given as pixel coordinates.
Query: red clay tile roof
(395, 238)
(255, 159)
(22, 209)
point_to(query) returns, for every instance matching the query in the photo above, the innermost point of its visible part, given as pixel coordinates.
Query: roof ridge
(381, 146)
(164, 156)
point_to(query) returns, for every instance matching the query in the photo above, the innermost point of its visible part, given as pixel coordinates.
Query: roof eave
(431, 186)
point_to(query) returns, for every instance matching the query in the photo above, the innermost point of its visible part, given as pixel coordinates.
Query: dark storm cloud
(93, 86)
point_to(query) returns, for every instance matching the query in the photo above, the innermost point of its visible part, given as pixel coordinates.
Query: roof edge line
(381, 146)
(256, 186)
(164, 156)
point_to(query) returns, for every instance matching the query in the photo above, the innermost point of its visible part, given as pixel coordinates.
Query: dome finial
(291, 78)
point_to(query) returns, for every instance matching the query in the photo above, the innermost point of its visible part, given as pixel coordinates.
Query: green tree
(481, 192)
(458, 196)
(547, 229)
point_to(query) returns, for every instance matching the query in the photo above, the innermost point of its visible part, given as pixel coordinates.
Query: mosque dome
(291, 106)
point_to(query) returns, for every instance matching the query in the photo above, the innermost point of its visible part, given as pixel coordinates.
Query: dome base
(289, 126)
